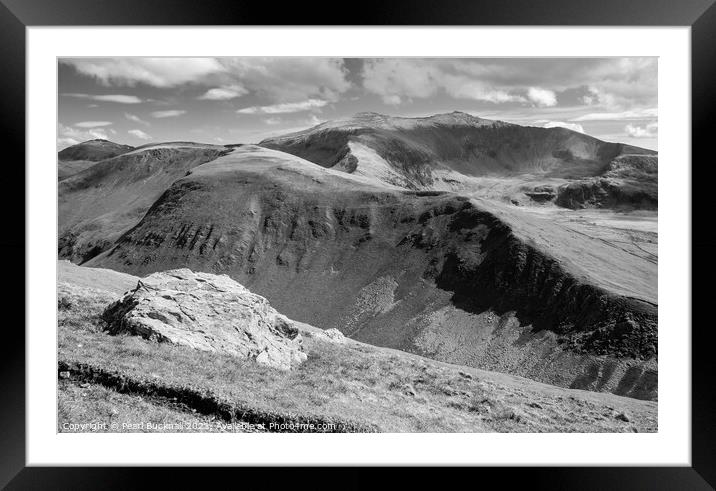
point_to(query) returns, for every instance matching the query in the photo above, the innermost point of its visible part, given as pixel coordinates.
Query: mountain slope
(426, 272)
(420, 153)
(93, 151)
(97, 205)
(69, 168)
(350, 384)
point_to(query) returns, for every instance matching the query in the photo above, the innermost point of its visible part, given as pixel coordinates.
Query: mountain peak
(93, 150)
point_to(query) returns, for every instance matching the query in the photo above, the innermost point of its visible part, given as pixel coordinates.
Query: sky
(246, 99)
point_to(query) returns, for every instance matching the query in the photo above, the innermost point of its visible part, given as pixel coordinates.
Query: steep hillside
(421, 153)
(93, 151)
(426, 272)
(97, 205)
(69, 168)
(350, 385)
(630, 181)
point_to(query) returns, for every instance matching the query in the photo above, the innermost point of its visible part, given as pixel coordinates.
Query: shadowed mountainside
(426, 272)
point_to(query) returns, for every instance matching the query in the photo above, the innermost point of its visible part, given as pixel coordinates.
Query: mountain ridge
(421, 153)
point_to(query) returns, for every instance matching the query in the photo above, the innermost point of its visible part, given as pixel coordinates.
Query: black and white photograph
(312, 244)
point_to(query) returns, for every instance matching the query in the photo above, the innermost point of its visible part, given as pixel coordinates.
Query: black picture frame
(16, 15)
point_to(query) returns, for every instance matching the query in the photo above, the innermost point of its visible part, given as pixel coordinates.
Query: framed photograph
(455, 235)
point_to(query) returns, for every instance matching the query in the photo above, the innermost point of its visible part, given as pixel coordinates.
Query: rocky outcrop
(541, 194)
(629, 182)
(608, 193)
(332, 335)
(209, 313)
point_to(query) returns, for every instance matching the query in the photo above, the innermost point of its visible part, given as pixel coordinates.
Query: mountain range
(518, 249)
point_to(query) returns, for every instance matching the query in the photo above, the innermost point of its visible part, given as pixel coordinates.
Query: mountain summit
(93, 150)
(426, 152)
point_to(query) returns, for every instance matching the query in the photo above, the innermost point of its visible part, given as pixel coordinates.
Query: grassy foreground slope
(341, 387)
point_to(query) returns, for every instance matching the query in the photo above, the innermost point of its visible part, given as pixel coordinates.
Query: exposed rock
(623, 417)
(332, 335)
(542, 194)
(207, 312)
(608, 193)
(409, 390)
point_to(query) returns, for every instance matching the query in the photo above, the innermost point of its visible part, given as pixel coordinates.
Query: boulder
(207, 312)
(331, 335)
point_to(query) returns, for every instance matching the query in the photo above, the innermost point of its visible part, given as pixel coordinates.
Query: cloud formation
(561, 124)
(139, 134)
(136, 119)
(171, 113)
(118, 98)
(290, 79)
(612, 83)
(157, 72)
(289, 107)
(275, 78)
(92, 124)
(646, 113)
(542, 97)
(224, 93)
(649, 131)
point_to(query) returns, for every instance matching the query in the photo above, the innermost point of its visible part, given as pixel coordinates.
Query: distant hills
(419, 152)
(93, 151)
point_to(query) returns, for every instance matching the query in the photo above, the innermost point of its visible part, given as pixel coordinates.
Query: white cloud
(273, 121)
(542, 97)
(283, 79)
(289, 107)
(157, 72)
(172, 113)
(393, 79)
(136, 119)
(118, 98)
(462, 87)
(561, 124)
(139, 134)
(647, 113)
(399, 77)
(279, 79)
(614, 84)
(92, 124)
(649, 131)
(224, 93)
